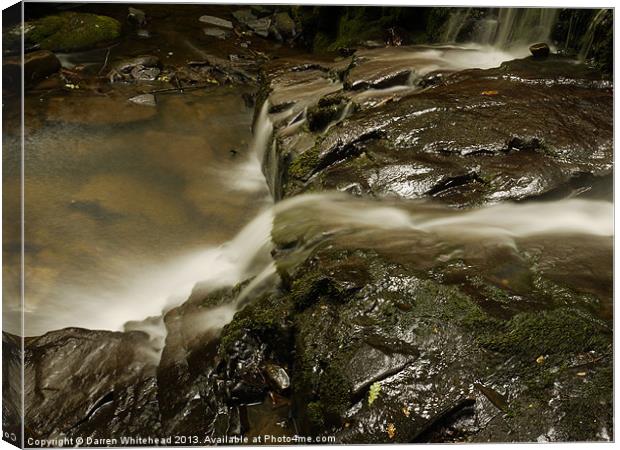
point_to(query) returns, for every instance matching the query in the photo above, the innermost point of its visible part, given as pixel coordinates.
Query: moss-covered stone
(563, 330)
(266, 319)
(303, 166)
(72, 31)
(327, 110)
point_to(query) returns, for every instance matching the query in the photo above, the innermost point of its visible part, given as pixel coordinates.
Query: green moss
(335, 394)
(305, 164)
(314, 412)
(73, 31)
(563, 330)
(266, 319)
(307, 289)
(590, 410)
(449, 304)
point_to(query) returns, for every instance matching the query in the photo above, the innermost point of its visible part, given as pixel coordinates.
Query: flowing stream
(159, 203)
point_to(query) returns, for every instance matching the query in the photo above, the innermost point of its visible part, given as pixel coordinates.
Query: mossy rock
(304, 165)
(72, 31)
(266, 319)
(559, 331)
(327, 110)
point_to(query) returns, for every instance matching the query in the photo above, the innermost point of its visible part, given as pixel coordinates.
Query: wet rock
(140, 68)
(284, 24)
(137, 16)
(71, 31)
(217, 70)
(327, 110)
(144, 99)
(528, 143)
(540, 50)
(346, 51)
(215, 32)
(102, 373)
(141, 73)
(376, 360)
(260, 10)
(346, 342)
(278, 376)
(260, 26)
(212, 20)
(245, 16)
(425, 145)
(432, 79)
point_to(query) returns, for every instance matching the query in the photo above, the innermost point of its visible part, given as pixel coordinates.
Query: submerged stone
(215, 32)
(144, 99)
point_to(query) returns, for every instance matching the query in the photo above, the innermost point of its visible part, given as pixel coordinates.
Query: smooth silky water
(122, 219)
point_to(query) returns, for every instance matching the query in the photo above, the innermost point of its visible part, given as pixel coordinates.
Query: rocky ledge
(372, 340)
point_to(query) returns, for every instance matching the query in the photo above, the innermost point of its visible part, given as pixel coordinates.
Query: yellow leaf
(391, 430)
(540, 359)
(489, 93)
(581, 374)
(406, 411)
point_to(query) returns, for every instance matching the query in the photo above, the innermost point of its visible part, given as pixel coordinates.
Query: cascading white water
(504, 28)
(524, 26)
(329, 212)
(263, 128)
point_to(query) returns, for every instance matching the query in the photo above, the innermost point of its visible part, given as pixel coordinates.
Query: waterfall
(503, 27)
(524, 26)
(588, 38)
(263, 128)
(455, 24)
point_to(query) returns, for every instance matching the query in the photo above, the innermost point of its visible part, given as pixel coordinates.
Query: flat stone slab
(212, 20)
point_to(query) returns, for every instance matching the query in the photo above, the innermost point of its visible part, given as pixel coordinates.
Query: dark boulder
(540, 50)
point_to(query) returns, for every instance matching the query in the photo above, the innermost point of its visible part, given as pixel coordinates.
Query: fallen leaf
(581, 374)
(391, 430)
(489, 93)
(540, 359)
(406, 411)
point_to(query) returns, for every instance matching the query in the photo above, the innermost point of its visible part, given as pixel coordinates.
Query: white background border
(547, 3)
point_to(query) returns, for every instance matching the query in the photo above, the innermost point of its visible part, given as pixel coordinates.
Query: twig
(178, 83)
(105, 62)
(181, 89)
